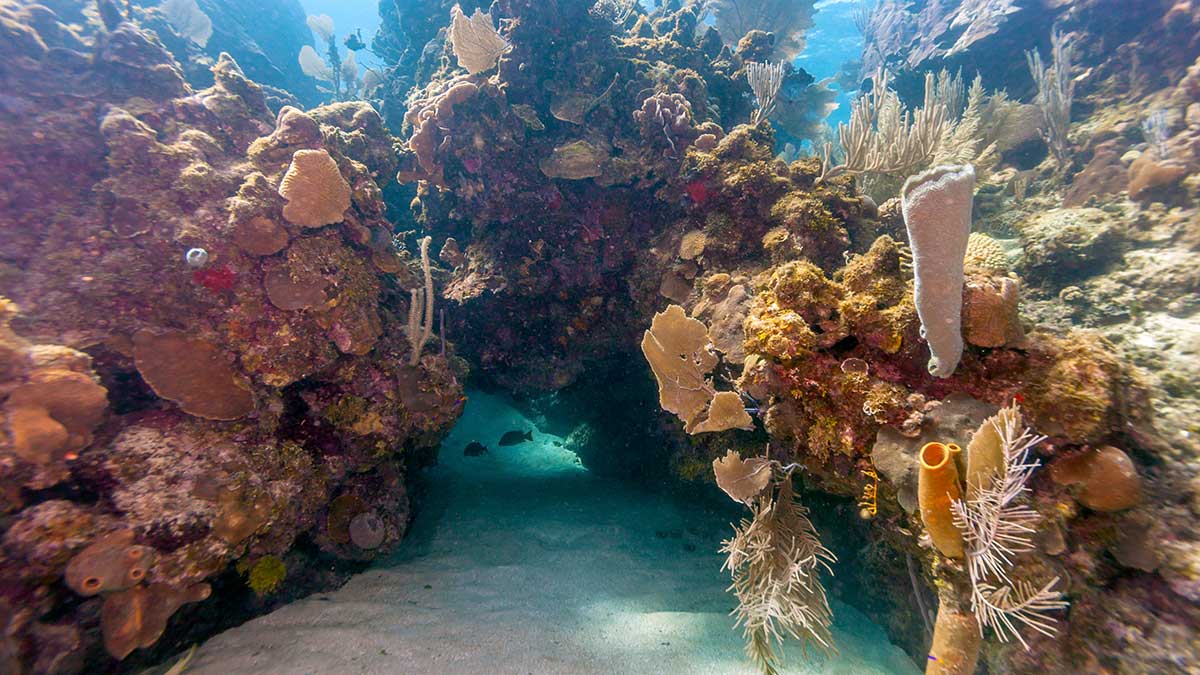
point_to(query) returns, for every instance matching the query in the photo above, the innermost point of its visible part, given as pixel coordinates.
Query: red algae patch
(191, 372)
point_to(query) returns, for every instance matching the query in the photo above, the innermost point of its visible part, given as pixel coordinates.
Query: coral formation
(681, 357)
(474, 39)
(266, 575)
(180, 401)
(937, 213)
(1103, 478)
(315, 190)
(227, 349)
(937, 488)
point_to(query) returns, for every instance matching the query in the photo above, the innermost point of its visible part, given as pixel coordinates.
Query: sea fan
(774, 559)
(995, 528)
(788, 20)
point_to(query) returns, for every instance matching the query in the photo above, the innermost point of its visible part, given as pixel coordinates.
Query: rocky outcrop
(263, 37)
(990, 37)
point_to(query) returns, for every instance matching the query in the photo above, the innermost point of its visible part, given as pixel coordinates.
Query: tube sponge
(956, 638)
(937, 487)
(937, 213)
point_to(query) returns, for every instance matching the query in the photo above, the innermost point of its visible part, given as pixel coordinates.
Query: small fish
(516, 437)
(474, 449)
(354, 41)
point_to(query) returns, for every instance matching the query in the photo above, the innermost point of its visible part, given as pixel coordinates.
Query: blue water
(832, 42)
(348, 16)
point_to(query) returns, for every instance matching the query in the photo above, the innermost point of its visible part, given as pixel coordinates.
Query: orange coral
(54, 402)
(260, 236)
(54, 414)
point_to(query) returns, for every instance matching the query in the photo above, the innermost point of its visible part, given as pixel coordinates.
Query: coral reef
(211, 350)
(223, 348)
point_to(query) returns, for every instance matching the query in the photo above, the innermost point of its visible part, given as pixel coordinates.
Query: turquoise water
(522, 561)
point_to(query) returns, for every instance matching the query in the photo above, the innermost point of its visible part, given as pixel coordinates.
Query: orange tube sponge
(937, 486)
(955, 649)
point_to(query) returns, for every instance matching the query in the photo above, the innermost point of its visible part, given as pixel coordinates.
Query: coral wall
(201, 372)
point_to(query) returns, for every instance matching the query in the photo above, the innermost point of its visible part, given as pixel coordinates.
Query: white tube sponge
(937, 213)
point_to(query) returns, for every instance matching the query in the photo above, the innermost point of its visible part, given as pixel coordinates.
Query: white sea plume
(996, 527)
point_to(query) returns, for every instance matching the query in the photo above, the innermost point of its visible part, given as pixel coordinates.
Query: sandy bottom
(521, 561)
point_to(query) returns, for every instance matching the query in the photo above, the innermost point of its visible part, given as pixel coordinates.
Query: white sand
(519, 562)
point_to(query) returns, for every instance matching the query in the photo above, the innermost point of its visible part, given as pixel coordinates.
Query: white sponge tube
(937, 213)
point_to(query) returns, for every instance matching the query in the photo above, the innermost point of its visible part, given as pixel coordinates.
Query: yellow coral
(801, 210)
(781, 335)
(266, 575)
(984, 254)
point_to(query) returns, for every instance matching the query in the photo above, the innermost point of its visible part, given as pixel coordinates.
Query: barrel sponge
(937, 213)
(315, 191)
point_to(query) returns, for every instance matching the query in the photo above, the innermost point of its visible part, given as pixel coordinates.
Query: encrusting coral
(1103, 478)
(191, 372)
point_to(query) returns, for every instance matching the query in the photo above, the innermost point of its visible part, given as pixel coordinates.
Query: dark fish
(474, 449)
(516, 437)
(354, 41)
